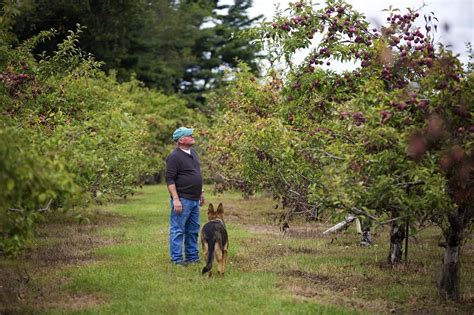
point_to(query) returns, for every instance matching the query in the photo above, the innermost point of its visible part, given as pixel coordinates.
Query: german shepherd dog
(214, 240)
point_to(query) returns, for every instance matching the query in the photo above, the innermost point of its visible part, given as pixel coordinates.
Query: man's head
(184, 136)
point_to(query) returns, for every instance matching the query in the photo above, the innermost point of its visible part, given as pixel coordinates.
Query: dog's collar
(218, 220)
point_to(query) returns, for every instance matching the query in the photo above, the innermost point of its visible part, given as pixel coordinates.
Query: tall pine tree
(220, 48)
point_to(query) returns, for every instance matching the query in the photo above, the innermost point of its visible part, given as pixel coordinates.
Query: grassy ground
(118, 263)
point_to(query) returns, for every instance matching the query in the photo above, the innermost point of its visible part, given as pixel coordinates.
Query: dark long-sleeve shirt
(184, 170)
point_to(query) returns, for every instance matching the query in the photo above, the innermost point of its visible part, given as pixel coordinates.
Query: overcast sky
(455, 17)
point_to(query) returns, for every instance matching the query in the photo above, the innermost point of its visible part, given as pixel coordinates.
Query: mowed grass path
(135, 275)
(118, 263)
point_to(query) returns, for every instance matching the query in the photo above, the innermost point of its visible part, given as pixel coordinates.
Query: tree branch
(410, 184)
(332, 156)
(392, 220)
(360, 211)
(39, 210)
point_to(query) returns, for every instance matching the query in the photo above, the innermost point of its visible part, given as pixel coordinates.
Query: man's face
(186, 140)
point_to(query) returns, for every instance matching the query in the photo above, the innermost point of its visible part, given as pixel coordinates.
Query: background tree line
(174, 46)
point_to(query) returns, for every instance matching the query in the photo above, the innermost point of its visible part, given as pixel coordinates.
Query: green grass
(136, 277)
(127, 270)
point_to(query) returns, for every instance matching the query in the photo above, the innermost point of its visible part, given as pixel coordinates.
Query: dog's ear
(220, 209)
(211, 208)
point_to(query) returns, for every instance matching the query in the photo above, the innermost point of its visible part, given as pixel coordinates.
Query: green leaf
(10, 184)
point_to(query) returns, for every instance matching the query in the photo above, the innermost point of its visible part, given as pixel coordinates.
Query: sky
(455, 17)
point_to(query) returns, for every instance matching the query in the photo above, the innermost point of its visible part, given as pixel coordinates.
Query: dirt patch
(413, 267)
(278, 251)
(73, 249)
(65, 244)
(305, 231)
(329, 290)
(318, 279)
(76, 302)
(303, 250)
(263, 229)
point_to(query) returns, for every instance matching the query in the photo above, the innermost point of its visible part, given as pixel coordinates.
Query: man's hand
(201, 200)
(178, 207)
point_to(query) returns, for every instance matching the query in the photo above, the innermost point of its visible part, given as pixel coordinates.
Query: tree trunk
(363, 227)
(449, 284)
(366, 240)
(397, 235)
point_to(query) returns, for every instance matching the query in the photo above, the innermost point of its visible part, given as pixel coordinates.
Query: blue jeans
(184, 226)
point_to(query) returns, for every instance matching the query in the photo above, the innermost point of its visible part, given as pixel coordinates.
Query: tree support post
(406, 238)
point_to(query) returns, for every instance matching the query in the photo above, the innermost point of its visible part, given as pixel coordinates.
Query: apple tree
(390, 140)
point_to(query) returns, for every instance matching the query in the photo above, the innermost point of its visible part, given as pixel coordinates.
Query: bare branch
(360, 211)
(282, 177)
(294, 192)
(392, 220)
(39, 210)
(410, 184)
(230, 179)
(47, 206)
(333, 156)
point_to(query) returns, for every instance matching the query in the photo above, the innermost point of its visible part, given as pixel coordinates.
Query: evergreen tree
(221, 48)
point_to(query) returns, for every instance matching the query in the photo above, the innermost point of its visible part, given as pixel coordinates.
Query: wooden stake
(406, 239)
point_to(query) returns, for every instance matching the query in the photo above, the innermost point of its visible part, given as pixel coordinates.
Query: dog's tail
(210, 256)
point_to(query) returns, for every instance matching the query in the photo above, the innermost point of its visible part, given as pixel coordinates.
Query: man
(184, 180)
